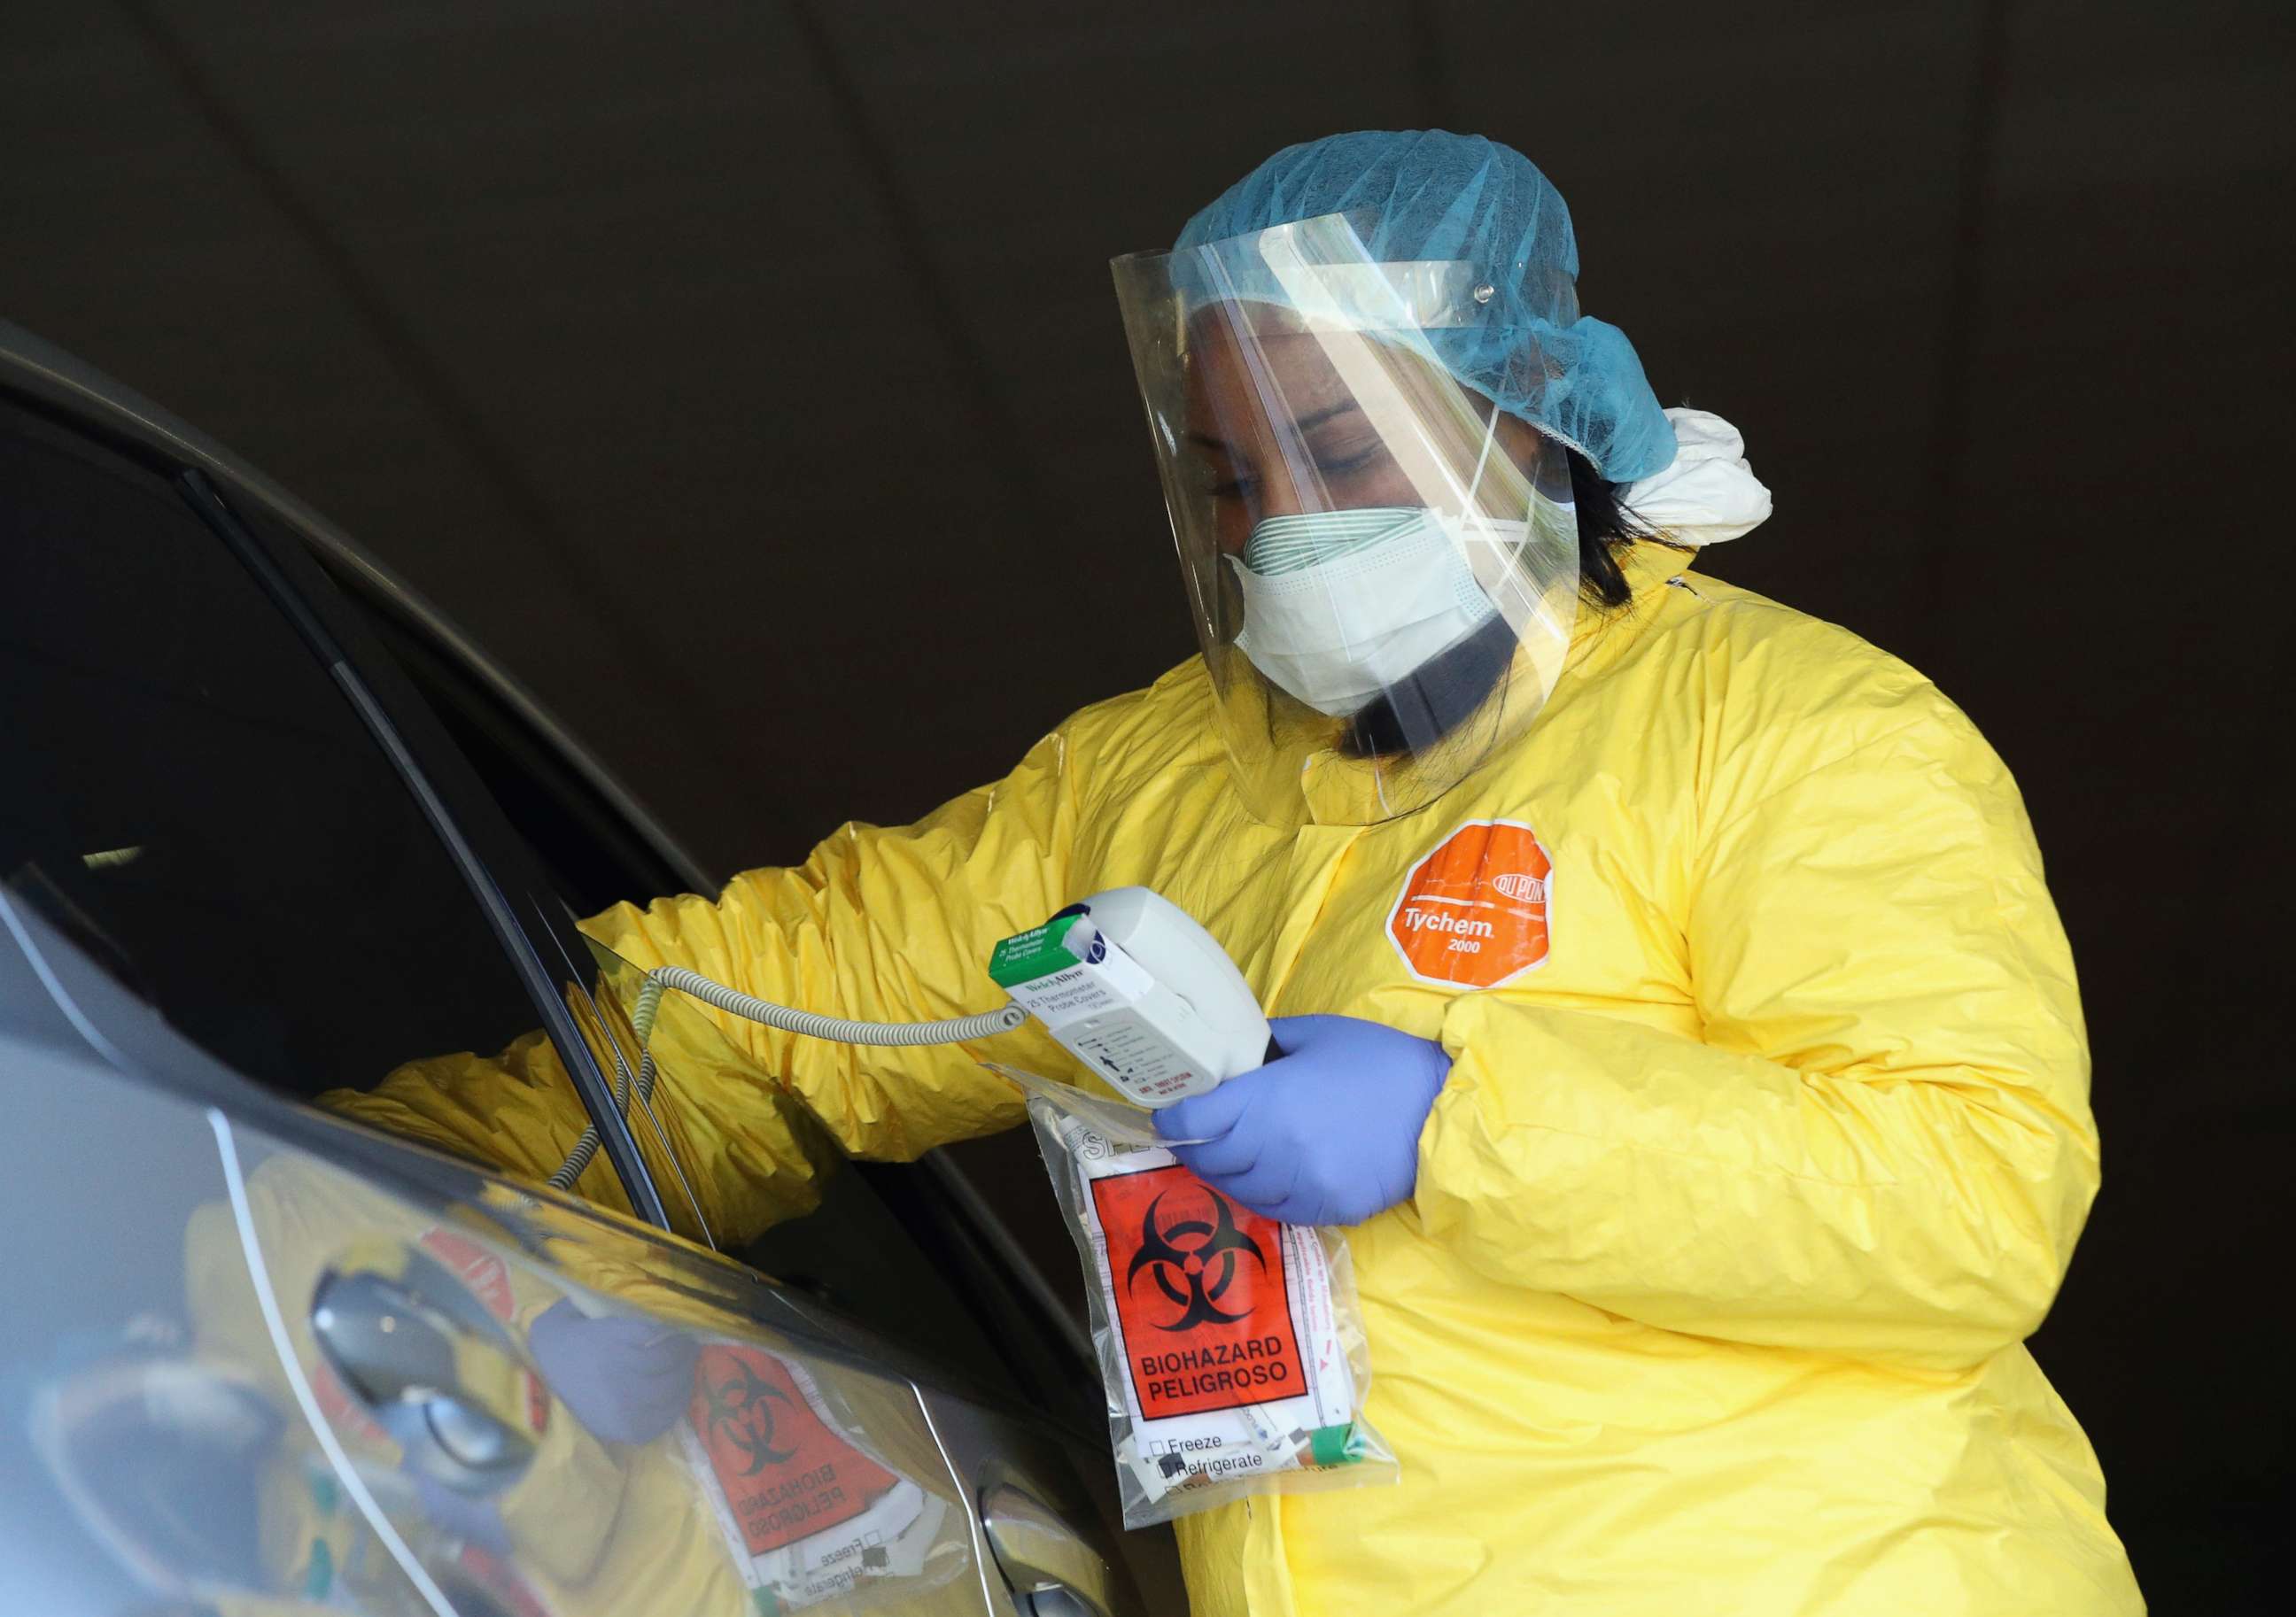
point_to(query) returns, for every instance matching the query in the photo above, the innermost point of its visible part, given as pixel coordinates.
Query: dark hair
(1442, 692)
(1607, 528)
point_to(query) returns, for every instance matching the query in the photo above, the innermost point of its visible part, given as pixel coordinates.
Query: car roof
(36, 368)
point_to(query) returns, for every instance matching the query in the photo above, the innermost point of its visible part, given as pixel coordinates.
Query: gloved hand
(1327, 1133)
(626, 1378)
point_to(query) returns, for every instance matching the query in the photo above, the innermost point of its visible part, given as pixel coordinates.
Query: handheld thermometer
(1133, 987)
(1126, 981)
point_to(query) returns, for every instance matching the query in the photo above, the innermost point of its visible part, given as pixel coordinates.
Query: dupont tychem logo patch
(1202, 1298)
(1474, 912)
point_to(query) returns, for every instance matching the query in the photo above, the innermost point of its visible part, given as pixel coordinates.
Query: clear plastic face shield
(1383, 567)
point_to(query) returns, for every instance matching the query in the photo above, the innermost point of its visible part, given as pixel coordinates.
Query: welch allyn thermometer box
(1109, 1010)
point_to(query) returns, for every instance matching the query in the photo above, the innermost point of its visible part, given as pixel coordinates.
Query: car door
(236, 847)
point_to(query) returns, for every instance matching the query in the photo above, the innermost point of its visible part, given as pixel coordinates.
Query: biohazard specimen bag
(1231, 1349)
(808, 1512)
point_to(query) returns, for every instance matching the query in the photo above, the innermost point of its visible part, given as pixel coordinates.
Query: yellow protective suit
(1734, 1213)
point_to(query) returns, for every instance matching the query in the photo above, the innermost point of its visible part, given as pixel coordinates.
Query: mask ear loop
(1473, 517)
(1475, 482)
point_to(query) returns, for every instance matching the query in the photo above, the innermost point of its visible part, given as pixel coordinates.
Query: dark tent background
(746, 377)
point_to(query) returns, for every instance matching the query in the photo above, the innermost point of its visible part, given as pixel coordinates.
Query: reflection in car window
(199, 807)
(641, 1446)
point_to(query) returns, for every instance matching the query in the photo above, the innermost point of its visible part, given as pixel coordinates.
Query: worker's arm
(1882, 1147)
(515, 1111)
(879, 923)
(886, 926)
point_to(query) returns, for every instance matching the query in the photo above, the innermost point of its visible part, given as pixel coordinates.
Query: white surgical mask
(1337, 606)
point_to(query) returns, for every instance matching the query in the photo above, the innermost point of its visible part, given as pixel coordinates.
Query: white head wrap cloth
(1707, 492)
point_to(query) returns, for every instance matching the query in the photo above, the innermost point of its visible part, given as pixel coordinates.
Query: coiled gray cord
(953, 1030)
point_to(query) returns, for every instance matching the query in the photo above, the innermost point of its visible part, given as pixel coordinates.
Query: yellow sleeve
(516, 1112)
(886, 925)
(1881, 1148)
(880, 925)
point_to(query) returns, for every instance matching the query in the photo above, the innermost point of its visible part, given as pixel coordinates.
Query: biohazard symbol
(737, 1405)
(1204, 1257)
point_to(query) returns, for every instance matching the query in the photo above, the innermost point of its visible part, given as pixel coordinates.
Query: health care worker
(1672, 1006)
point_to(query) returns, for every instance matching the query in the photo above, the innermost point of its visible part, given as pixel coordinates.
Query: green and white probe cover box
(1107, 1009)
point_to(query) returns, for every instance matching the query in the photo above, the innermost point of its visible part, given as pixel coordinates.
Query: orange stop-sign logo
(1474, 912)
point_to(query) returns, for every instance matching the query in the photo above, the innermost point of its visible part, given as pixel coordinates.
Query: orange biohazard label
(1201, 1296)
(786, 1474)
(1474, 912)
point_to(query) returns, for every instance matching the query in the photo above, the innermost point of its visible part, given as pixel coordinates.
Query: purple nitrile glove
(626, 1378)
(1327, 1133)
